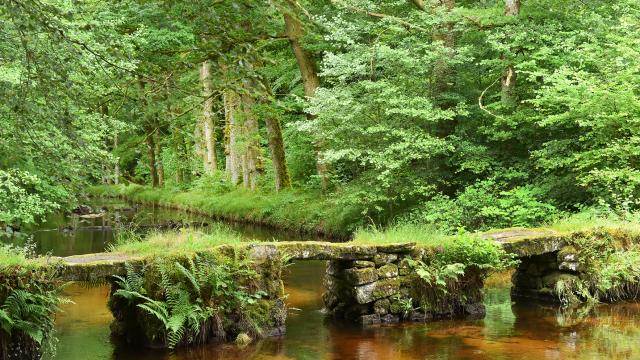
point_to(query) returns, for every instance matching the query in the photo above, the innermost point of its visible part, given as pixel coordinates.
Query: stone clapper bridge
(365, 284)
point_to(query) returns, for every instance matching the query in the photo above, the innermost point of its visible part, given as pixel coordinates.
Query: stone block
(382, 259)
(420, 317)
(381, 307)
(387, 271)
(357, 276)
(361, 264)
(377, 290)
(371, 319)
(390, 319)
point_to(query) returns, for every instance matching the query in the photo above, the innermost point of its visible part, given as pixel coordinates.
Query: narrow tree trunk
(278, 159)
(251, 146)
(419, 4)
(158, 155)
(210, 159)
(116, 170)
(310, 81)
(444, 34)
(151, 151)
(508, 81)
(232, 130)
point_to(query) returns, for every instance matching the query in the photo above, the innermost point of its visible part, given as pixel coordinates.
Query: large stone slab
(368, 293)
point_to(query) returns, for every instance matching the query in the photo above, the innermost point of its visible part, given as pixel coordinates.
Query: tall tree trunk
(310, 80)
(116, 170)
(509, 77)
(210, 158)
(276, 145)
(419, 4)
(443, 33)
(151, 151)
(232, 130)
(158, 156)
(251, 146)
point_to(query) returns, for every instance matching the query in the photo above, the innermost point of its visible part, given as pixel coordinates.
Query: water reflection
(521, 330)
(70, 234)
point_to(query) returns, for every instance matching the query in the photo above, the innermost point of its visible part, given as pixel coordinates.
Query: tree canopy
(465, 113)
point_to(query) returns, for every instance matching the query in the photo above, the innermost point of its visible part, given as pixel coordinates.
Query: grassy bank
(291, 210)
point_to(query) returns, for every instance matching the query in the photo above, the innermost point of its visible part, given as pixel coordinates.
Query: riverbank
(303, 212)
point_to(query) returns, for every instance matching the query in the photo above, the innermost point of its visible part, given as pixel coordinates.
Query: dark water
(511, 330)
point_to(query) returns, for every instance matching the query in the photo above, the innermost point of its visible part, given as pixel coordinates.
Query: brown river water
(512, 328)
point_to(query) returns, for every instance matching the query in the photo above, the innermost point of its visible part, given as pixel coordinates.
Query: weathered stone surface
(319, 250)
(361, 264)
(387, 271)
(420, 317)
(550, 280)
(383, 259)
(569, 266)
(390, 319)
(381, 307)
(371, 319)
(360, 276)
(397, 248)
(333, 268)
(380, 289)
(567, 254)
(475, 311)
(330, 299)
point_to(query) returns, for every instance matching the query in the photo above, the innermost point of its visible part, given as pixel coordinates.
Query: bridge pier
(384, 289)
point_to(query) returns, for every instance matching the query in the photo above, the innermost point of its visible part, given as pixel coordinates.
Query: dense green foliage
(30, 295)
(463, 114)
(192, 300)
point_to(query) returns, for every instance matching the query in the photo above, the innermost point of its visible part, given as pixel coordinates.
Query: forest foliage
(465, 114)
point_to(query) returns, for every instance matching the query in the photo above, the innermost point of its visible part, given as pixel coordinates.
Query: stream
(512, 329)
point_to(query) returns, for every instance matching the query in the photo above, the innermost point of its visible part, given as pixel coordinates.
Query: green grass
(593, 218)
(293, 210)
(12, 256)
(425, 235)
(185, 241)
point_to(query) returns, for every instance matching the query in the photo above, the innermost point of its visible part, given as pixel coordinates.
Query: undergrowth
(177, 301)
(30, 295)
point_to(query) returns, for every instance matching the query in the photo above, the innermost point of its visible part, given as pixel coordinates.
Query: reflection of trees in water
(591, 331)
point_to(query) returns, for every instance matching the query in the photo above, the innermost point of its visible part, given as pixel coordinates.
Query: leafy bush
(23, 198)
(484, 206)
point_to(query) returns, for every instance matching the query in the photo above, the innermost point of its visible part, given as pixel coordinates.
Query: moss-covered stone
(361, 264)
(381, 307)
(356, 276)
(384, 259)
(365, 294)
(387, 271)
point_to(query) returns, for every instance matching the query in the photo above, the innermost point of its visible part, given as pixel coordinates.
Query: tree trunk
(158, 156)
(278, 159)
(443, 33)
(116, 170)
(151, 151)
(232, 130)
(306, 64)
(251, 146)
(210, 158)
(509, 77)
(310, 81)
(419, 4)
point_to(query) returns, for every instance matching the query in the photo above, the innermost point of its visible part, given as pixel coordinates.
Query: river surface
(512, 329)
